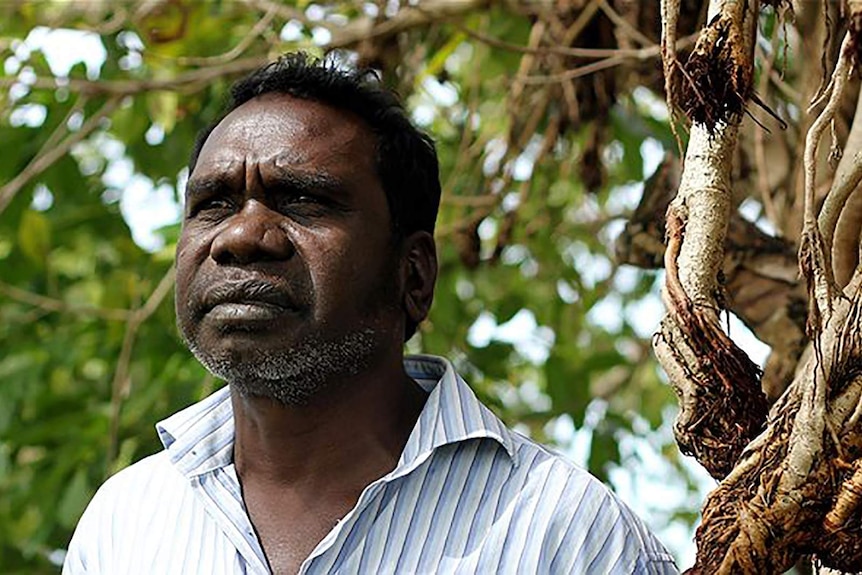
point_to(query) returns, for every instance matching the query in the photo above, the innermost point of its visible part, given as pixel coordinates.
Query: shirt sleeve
(76, 562)
(656, 564)
(653, 557)
(90, 537)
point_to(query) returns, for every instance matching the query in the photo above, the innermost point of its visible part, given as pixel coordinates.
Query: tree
(790, 473)
(547, 115)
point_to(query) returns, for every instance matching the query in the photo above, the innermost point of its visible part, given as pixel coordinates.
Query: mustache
(255, 291)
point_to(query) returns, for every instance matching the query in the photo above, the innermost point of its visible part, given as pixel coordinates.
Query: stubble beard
(292, 376)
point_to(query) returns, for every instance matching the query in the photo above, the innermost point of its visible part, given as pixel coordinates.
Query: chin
(290, 374)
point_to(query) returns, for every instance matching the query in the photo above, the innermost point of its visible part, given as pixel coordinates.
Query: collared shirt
(468, 495)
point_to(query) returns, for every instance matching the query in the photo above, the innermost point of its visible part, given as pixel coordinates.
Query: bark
(795, 490)
(841, 216)
(776, 505)
(721, 404)
(761, 283)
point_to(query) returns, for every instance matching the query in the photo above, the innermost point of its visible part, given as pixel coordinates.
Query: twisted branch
(793, 493)
(721, 405)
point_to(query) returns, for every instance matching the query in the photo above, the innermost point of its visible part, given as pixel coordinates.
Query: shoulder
(595, 529)
(150, 473)
(153, 468)
(153, 476)
(120, 510)
(516, 506)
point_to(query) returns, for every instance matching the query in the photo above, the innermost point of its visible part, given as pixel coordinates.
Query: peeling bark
(794, 487)
(720, 69)
(722, 406)
(773, 508)
(761, 276)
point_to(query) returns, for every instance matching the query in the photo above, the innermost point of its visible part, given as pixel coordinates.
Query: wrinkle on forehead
(270, 128)
(222, 163)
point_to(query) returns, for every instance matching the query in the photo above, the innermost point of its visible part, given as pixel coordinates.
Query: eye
(303, 204)
(216, 204)
(211, 207)
(302, 199)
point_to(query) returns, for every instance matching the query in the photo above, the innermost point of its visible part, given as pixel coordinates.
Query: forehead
(286, 130)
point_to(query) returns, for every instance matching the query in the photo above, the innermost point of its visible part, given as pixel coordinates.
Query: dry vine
(793, 488)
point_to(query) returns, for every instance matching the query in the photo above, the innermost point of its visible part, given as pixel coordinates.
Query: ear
(418, 275)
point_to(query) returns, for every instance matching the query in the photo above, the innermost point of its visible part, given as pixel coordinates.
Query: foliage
(541, 168)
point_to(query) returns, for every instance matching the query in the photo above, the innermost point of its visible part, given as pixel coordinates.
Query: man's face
(286, 272)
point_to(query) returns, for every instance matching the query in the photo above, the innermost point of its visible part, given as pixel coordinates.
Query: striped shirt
(468, 495)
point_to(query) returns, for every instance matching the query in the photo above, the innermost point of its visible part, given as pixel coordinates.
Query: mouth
(242, 312)
(247, 301)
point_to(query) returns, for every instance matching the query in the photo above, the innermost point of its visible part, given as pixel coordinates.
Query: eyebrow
(206, 186)
(293, 180)
(305, 181)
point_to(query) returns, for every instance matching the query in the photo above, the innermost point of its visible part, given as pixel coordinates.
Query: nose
(252, 235)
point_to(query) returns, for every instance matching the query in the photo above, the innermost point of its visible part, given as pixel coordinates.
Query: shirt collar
(199, 439)
(452, 413)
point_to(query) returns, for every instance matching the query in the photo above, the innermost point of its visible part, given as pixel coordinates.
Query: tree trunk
(791, 478)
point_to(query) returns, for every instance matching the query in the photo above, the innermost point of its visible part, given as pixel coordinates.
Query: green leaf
(568, 386)
(163, 109)
(604, 451)
(34, 236)
(74, 498)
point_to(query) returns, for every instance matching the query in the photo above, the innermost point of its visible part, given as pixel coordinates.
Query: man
(305, 261)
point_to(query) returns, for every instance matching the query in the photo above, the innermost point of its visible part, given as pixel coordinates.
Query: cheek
(338, 267)
(191, 253)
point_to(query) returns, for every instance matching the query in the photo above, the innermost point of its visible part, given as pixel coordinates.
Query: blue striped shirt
(468, 495)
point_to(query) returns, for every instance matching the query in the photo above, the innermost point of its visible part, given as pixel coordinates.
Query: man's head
(306, 254)
(405, 158)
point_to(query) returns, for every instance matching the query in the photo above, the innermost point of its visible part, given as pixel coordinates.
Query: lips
(247, 300)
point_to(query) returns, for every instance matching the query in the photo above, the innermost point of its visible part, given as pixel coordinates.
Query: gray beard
(291, 377)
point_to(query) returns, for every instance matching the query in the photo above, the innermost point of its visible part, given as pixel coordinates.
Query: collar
(199, 438)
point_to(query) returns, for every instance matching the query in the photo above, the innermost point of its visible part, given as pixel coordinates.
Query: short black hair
(406, 158)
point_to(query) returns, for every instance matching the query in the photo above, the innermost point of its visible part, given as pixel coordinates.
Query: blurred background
(557, 159)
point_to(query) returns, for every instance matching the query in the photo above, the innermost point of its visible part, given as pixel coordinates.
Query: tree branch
(722, 406)
(759, 134)
(814, 259)
(795, 489)
(57, 305)
(576, 51)
(48, 155)
(407, 17)
(620, 57)
(837, 205)
(624, 25)
(127, 87)
(121, 384)
(235, 52)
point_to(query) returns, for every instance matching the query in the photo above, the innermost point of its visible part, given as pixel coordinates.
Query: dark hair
(406, 158)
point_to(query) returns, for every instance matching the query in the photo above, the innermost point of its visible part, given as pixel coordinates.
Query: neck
(353, 431)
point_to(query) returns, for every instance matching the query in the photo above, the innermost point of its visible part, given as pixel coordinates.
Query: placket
(220, 492)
